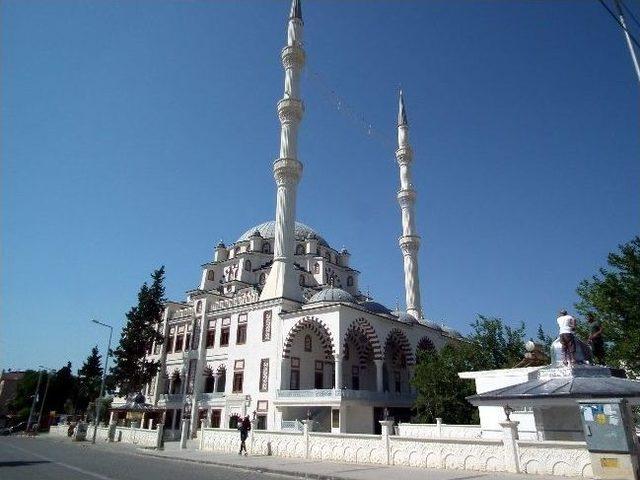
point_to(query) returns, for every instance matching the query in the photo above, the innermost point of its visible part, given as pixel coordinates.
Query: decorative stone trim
(316, 326)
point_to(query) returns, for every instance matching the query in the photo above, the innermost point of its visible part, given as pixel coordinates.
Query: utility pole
(44, 398)
(35, 399)
(104, 376)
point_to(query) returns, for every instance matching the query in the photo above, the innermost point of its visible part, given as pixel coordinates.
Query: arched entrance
(398, 357)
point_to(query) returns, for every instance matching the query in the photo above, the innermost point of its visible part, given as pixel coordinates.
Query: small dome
(221, 244)
(404, 317)
(344, 251)
(332, 295)
(256, 233)
(375, 307)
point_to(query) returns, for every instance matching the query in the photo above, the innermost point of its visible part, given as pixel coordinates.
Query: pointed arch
(425, 345)
(396, 337)
(316, 326)
(362, 329)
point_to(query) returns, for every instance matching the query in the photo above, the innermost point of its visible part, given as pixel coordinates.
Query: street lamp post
(104, 376)
(35, 399)
(46, 389)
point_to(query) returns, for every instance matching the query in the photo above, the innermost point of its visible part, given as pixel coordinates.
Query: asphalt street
(27, 458)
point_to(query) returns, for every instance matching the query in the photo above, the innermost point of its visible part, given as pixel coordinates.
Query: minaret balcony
(290, 110)
(293, 56)
(404, 155)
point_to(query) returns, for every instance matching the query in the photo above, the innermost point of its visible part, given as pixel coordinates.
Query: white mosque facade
(278, 328)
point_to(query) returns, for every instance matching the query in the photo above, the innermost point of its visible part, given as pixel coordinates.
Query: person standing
(245, 426)
(596, 340)
(567, 326)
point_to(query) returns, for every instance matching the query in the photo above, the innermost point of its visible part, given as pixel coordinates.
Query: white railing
(291, 425)
(438, 430)
(142, 437)
(210, 396)
(369, 395)
(171, 397)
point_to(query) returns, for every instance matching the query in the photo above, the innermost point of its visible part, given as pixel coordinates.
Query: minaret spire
(287, 170)
(409, 241)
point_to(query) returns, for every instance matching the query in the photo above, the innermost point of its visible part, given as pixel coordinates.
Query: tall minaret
(287, 170)
(409, 241)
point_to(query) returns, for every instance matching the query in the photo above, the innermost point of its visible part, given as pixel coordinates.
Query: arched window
(266, 247)
(236, 250)
(349, 281)
(247, 265)
(318, 251)
(301, 281)
(307, 343)
(209, 380)
(327, 255)
(299, 249)
(198, 306)
(176, 384)
(316, 268)
(211, 275)
(263, 279)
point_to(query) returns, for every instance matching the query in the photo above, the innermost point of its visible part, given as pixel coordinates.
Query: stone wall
(446, 452)
(555, 458)
(102, 435)
(59, 430)
(142, 437)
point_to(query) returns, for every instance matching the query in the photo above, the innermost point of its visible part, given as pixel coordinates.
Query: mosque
(278, 328)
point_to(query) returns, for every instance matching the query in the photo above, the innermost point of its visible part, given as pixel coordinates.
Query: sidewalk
(323, 470)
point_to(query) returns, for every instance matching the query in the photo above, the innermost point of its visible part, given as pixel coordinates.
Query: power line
(628, 10)
(620, 24)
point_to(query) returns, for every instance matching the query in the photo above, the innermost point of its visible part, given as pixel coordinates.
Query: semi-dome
(332, 294)
(375, 307)
(267, 230)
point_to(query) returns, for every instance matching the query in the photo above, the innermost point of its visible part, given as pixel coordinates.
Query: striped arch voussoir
(316, 326)
(362, 328)
(398, 337)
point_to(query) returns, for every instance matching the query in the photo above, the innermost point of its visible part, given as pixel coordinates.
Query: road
(27, 458)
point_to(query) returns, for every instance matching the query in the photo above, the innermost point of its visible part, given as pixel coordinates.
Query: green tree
(25, 389)
(63, 387)
(131, 370)
(613, 296)
(89, 379)
(441, 393)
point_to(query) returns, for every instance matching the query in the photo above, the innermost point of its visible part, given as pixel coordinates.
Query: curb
(272, 471)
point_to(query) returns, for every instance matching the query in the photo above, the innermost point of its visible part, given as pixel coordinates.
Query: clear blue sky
(136, 134)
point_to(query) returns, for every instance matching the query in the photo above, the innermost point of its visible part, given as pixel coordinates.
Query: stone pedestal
(184, 433)
(387, 426)
(510, 435)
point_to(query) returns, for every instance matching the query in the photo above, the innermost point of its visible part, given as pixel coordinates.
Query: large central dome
(267, 230)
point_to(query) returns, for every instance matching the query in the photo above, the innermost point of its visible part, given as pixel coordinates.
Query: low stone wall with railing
(438, 430)
(102, 434)
(61, 430)
(446, 452)
(143, 437)
(570, 459)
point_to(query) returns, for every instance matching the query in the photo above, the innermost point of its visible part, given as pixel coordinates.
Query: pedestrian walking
(245, 426)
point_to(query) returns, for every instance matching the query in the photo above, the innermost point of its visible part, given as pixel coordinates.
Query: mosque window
(198, 306)
(224, 332)
(266, 247)
(327, 255)
(263, 278)
(301, 281)
(172, 333)
(355, 377)
(349, 281)
(211, 275)
(318, 251)
(211, 333)
(187, 338)
(238, 376)
(266, 326)
(299, 249)
(241, 334)
(236, 251)
(316, 268)
(247, 265)
(179, 339)
(307, 343)
(294, 379)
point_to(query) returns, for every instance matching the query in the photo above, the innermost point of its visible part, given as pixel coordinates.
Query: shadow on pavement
(21, 463)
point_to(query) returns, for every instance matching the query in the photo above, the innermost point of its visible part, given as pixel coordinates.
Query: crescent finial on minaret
(402, 111)
(296, 9)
